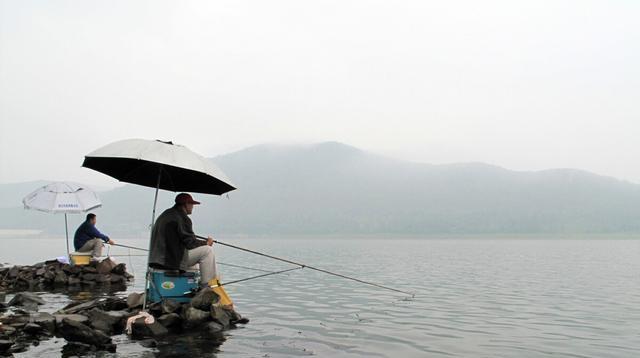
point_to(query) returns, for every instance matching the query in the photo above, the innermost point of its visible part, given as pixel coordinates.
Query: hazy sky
(526, 85)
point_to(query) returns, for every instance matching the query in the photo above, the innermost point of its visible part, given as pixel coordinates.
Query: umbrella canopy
(140, 161)
(62, 197)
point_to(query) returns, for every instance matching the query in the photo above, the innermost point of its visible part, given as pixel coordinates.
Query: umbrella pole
(153, 218)
(66, 232)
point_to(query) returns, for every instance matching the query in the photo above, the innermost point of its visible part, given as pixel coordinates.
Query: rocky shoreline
(89, 325)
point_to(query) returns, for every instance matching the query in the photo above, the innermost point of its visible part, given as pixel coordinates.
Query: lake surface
(473, 298)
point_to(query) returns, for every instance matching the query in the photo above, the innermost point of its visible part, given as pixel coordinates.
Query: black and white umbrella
(160, 165)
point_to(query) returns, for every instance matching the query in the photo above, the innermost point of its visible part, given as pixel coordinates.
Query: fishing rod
(305, 266)
(254, 277)
(219, 263)
(129, 247)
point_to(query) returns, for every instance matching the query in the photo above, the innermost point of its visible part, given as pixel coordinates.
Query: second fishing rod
(304, 265)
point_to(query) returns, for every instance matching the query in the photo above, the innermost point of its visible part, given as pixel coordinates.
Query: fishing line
(307, 266)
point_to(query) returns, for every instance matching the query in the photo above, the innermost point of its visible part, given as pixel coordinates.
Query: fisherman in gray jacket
(174, 245)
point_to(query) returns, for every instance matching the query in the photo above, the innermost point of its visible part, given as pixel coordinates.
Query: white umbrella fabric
(62, 198)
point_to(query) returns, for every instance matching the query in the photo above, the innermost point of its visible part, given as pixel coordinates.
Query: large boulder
(71, 317)
(25, 298)
(74, 331)
(204, 299)
(119, 269)
(170, 306)
(108, 322)
(5, 344)
(140, 329)
(135, 299)
(45, 320)
(194, 317)
(214, 328)
(170, 320)
(32, 329)
(78, 306)
(105, 266)
(117, 279)
(221, 315)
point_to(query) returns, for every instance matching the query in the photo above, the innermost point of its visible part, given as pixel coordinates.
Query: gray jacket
(172, 235)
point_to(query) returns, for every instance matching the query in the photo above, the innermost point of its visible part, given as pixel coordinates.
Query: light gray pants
(95, 246)
(203, 257)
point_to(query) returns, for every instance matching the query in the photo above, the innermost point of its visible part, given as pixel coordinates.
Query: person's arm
(94, 232)
(187, 236)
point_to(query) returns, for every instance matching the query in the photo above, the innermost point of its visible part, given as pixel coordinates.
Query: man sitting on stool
(174, 245)
(90, 239)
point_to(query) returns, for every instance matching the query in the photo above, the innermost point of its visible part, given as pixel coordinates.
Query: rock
(74, 280)
(78, 306)
(170, 320)
(105, 266)
(89, 269)
(23, 298)
(222, 316)
(18, 347)
(13, 272)
(7, 330)
(194, 317)
(32, 329)
(204, 299)
(60, 278)
(49, 276)
(5, 344)
(140, 330)
(77, 349)
(30, 306)
(116, 279)
(45, 320)
(135, 300)
(170, 306)
(3, 297)
(149, 343)
(214, 328)
(154, 308)
(88, 277)
(100, 278)
(115, 304)
(119, 269)
(71, 317)
(107, 322)
(74, 331)
(103, 327)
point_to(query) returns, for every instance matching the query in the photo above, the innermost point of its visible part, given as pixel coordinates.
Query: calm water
(474, 298)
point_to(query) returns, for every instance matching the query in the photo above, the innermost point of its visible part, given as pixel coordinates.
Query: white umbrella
(62, 197)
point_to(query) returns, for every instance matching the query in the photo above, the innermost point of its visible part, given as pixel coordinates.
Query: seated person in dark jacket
(174, 245)
(90, 239)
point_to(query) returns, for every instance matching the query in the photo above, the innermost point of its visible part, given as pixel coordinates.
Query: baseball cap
(184, 198)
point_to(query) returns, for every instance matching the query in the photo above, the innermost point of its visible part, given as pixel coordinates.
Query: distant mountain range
(335, 189)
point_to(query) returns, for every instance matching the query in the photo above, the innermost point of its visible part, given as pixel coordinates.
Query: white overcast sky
(526, 85)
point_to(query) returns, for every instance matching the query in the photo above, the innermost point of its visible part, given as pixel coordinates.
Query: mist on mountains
(334, 189)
